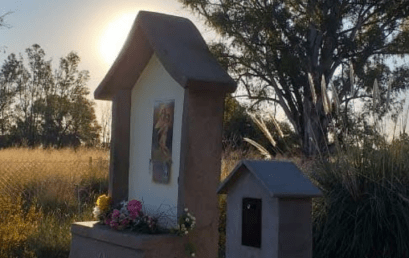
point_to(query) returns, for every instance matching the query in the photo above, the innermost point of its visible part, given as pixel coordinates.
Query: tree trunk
(315, 129)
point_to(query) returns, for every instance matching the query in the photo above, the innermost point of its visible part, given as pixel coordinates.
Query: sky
(95, 29)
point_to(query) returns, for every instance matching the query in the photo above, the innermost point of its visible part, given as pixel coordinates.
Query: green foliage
(271, 47)
(364, 211)
(8, 89)
(236, 123)
(39, 106)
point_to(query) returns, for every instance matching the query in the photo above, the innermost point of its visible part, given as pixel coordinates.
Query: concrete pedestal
(89, 239)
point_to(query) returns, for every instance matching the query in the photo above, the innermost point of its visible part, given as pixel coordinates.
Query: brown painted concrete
(120, 140)
(200, 174)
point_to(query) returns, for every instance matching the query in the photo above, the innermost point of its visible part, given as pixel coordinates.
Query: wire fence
(68, 181)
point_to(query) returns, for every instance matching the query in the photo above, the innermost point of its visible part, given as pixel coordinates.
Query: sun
(114, 36)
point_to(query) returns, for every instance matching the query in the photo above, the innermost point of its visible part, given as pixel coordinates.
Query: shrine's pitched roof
(179, 47)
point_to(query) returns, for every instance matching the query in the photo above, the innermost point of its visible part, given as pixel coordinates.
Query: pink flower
(115, 214)
(114, 224)
(133, 215)
(124, 223)
(134, 206)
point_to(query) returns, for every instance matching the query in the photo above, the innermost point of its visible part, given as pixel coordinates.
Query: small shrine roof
(279, 178)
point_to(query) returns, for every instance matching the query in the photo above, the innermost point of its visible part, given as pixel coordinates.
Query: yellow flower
(103, 202)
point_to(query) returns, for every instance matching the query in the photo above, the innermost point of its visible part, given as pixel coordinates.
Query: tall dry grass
(45, 191)
(365, 208)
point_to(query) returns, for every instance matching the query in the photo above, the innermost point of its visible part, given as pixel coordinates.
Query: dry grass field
(42, 192)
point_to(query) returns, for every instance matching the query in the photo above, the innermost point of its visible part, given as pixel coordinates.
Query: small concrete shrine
(268, 210)
(167, 94)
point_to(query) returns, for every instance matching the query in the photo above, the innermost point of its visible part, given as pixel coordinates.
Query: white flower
(124, 210)
(96, 212)
(187, 219)
(122, 216)
(193, 254)
(186, 232)
(186, 209)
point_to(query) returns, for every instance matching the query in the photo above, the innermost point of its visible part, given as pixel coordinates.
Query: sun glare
(114, 37)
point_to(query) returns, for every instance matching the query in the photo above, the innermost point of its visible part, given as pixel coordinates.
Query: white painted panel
(155, 83)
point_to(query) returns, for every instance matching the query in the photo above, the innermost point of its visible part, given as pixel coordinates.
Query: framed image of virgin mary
(162, 136)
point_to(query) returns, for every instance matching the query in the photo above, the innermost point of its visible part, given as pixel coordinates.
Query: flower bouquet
(126, 215)
(130, 215)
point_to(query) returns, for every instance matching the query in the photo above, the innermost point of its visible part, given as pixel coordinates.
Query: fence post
(90, 163)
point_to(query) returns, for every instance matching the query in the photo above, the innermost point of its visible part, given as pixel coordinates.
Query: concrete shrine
(167, 94)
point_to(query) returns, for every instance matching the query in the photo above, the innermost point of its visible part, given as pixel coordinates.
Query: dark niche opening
(251, 222)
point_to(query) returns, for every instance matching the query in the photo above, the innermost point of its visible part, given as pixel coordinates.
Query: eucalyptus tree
(50, 107)
(10, 74)
(288, 51)
(7, 88)
(68, 116)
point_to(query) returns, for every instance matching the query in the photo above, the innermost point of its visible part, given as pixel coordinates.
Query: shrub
(365, 208)
(16, 226)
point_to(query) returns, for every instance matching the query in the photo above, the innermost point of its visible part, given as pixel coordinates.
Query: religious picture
(161, 153)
